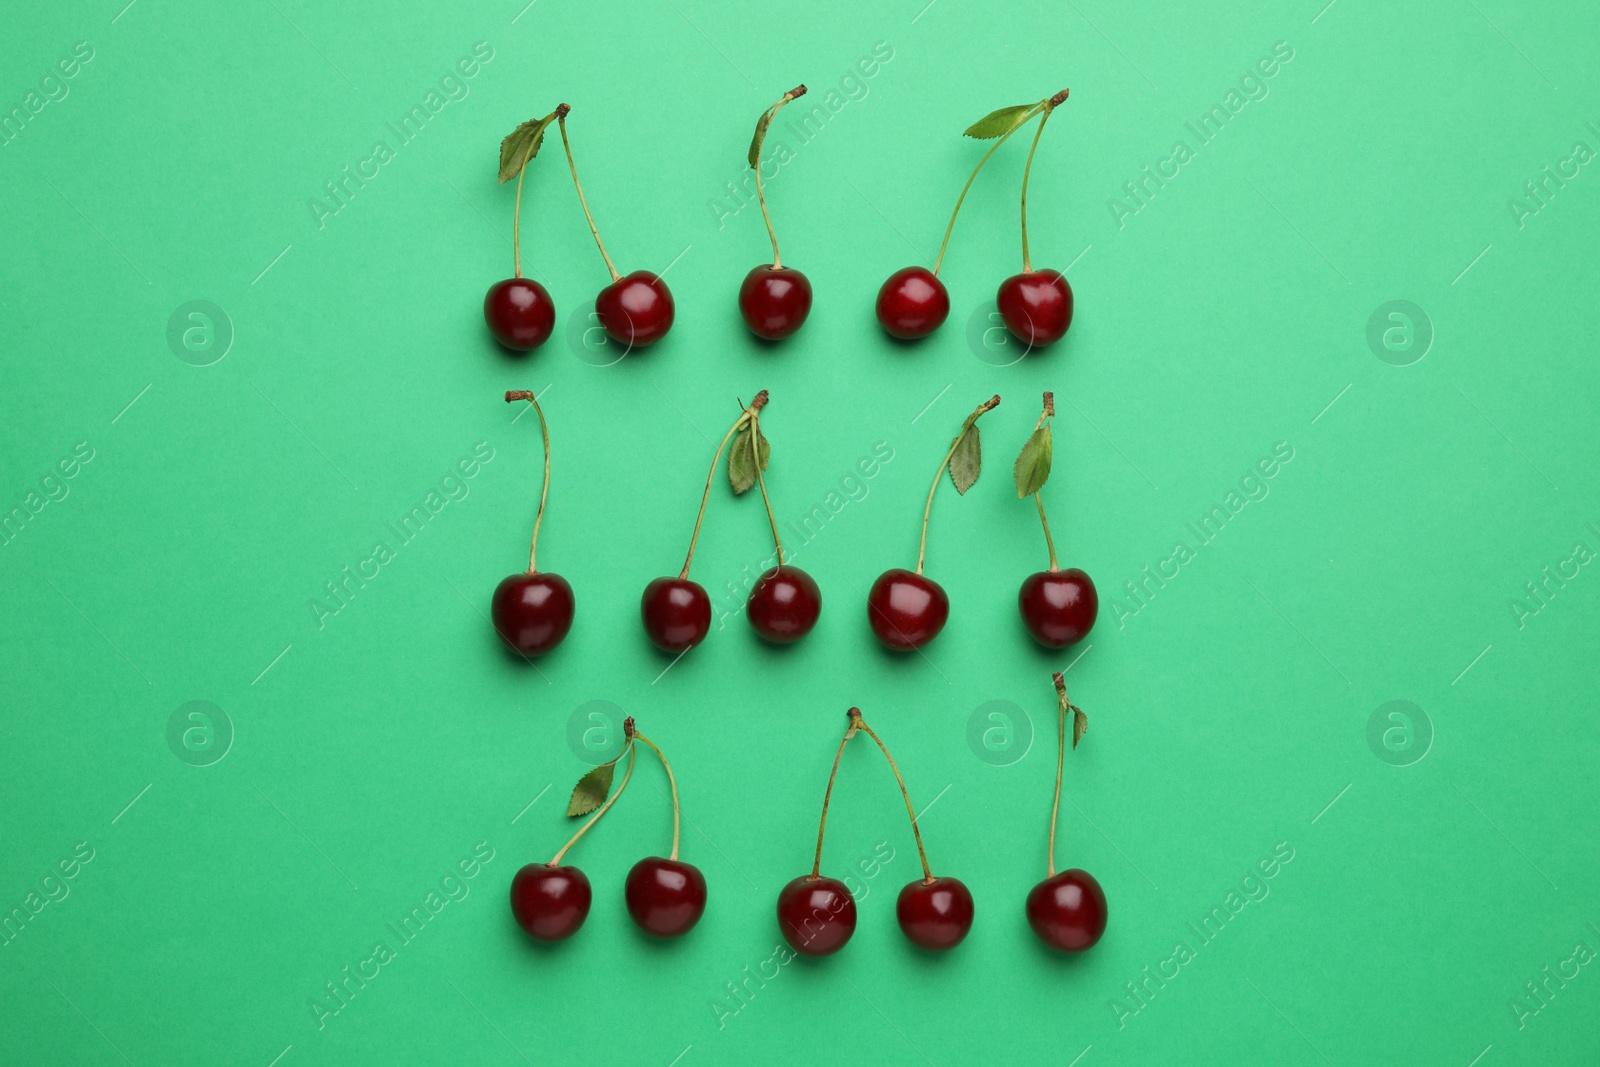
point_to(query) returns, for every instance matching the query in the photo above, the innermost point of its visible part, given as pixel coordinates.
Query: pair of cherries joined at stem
(784, 602)
(665, 897)
(1036, 305)
(635, 310)
(907, 609)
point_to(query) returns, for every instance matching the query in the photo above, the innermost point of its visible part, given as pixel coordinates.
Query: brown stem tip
(990, 404)
(1049, 403)
(1061, 683)
(1055, 101)
(798, 90)
(513, 395)
(759, 401)
(854, 714)
(628, 730)
(562, 110)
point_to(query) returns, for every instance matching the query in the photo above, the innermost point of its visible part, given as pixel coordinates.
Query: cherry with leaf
(1058, 606)
(1067, 911)
(774, 299)
(907, 609)
(532, 611)
(518, 310)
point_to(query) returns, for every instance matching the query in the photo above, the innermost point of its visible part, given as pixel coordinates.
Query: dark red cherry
(676, 613)
(635, 310)
(912, 303)
(520, 313)
(665, 897)
(774, 301)
(1068, 911)
(532, 612)
(935, 915)
(550, 903)
(784, 604)
(906, 610)
(1058, 607)
(817, 915)
(1036, 306)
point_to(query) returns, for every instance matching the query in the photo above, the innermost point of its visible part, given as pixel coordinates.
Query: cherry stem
(1061, 755)
(555, 861)
(755, 450)
(992, 149)
(561, 120)
(1049, 106)
(927, 875)
(1048, 414)
(673, 783)
(544, 432)
(756, 404)
(770, 114)
(966, 428)
(855, 724)
(516, 216)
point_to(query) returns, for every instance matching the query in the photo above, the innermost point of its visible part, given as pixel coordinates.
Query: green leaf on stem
(761, 135)
(1033, 463)
(521, 145)
(966, 462)
(742, 458)
(999, 123)
(1080, 724)
(591, 790)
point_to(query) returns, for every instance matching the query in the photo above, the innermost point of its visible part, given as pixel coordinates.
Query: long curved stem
(561, 120)
(1027, 264)
(755, 446)
(516, 216)
(673, 783)
(927, 875)
(855, 721)
(1061, 756)
(922, 548)
(746, 415)
(555, 861)
(992, 149)
(772, 113)
(544, 492)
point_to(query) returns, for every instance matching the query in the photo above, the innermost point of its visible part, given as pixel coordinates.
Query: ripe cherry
(1036, 306)
(550, 902)
(665, 897)
(912, 303)
(1058, 607)
(817, 915)
(774, 301)
(519, 312)
(784, 604)
(935, 914)
(676, 614)
(532, 612)
(636, 310)
(906, 610)
(1068, 911)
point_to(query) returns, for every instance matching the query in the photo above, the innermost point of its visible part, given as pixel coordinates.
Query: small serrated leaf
(591, 790)
(1032, 469)
(742, 460)
(999, 123)
(966, 462)
(761, 135)
(1080, 724)
(521, 145)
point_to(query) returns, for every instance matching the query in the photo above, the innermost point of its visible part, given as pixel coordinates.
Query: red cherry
(635, 310)
(520, 313)
(1036, 306)
(1068, 911)
(677, 613)
(906, 610)
(532, 612)
(774, 301)
(1058, 607)
(817, 915)
(665, 897)
(550, 903)
(912, 303)
(935, 915)
(784, 604)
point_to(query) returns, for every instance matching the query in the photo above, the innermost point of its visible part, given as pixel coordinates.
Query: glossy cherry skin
(935, 915)
(550, 903)
(635, 310)
(520, 313)
(1058, 607)
(665, 897)
(817, 915)
(912, 303)
(532, 612)
(774, 301)
(906, 610)
(784, 604)
(1068, 911)
(676, 613)
(1036, 306)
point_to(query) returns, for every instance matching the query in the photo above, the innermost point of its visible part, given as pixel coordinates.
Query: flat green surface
(1224, 321)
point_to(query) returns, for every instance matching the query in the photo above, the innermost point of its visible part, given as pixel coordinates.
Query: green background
(1229, 715)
